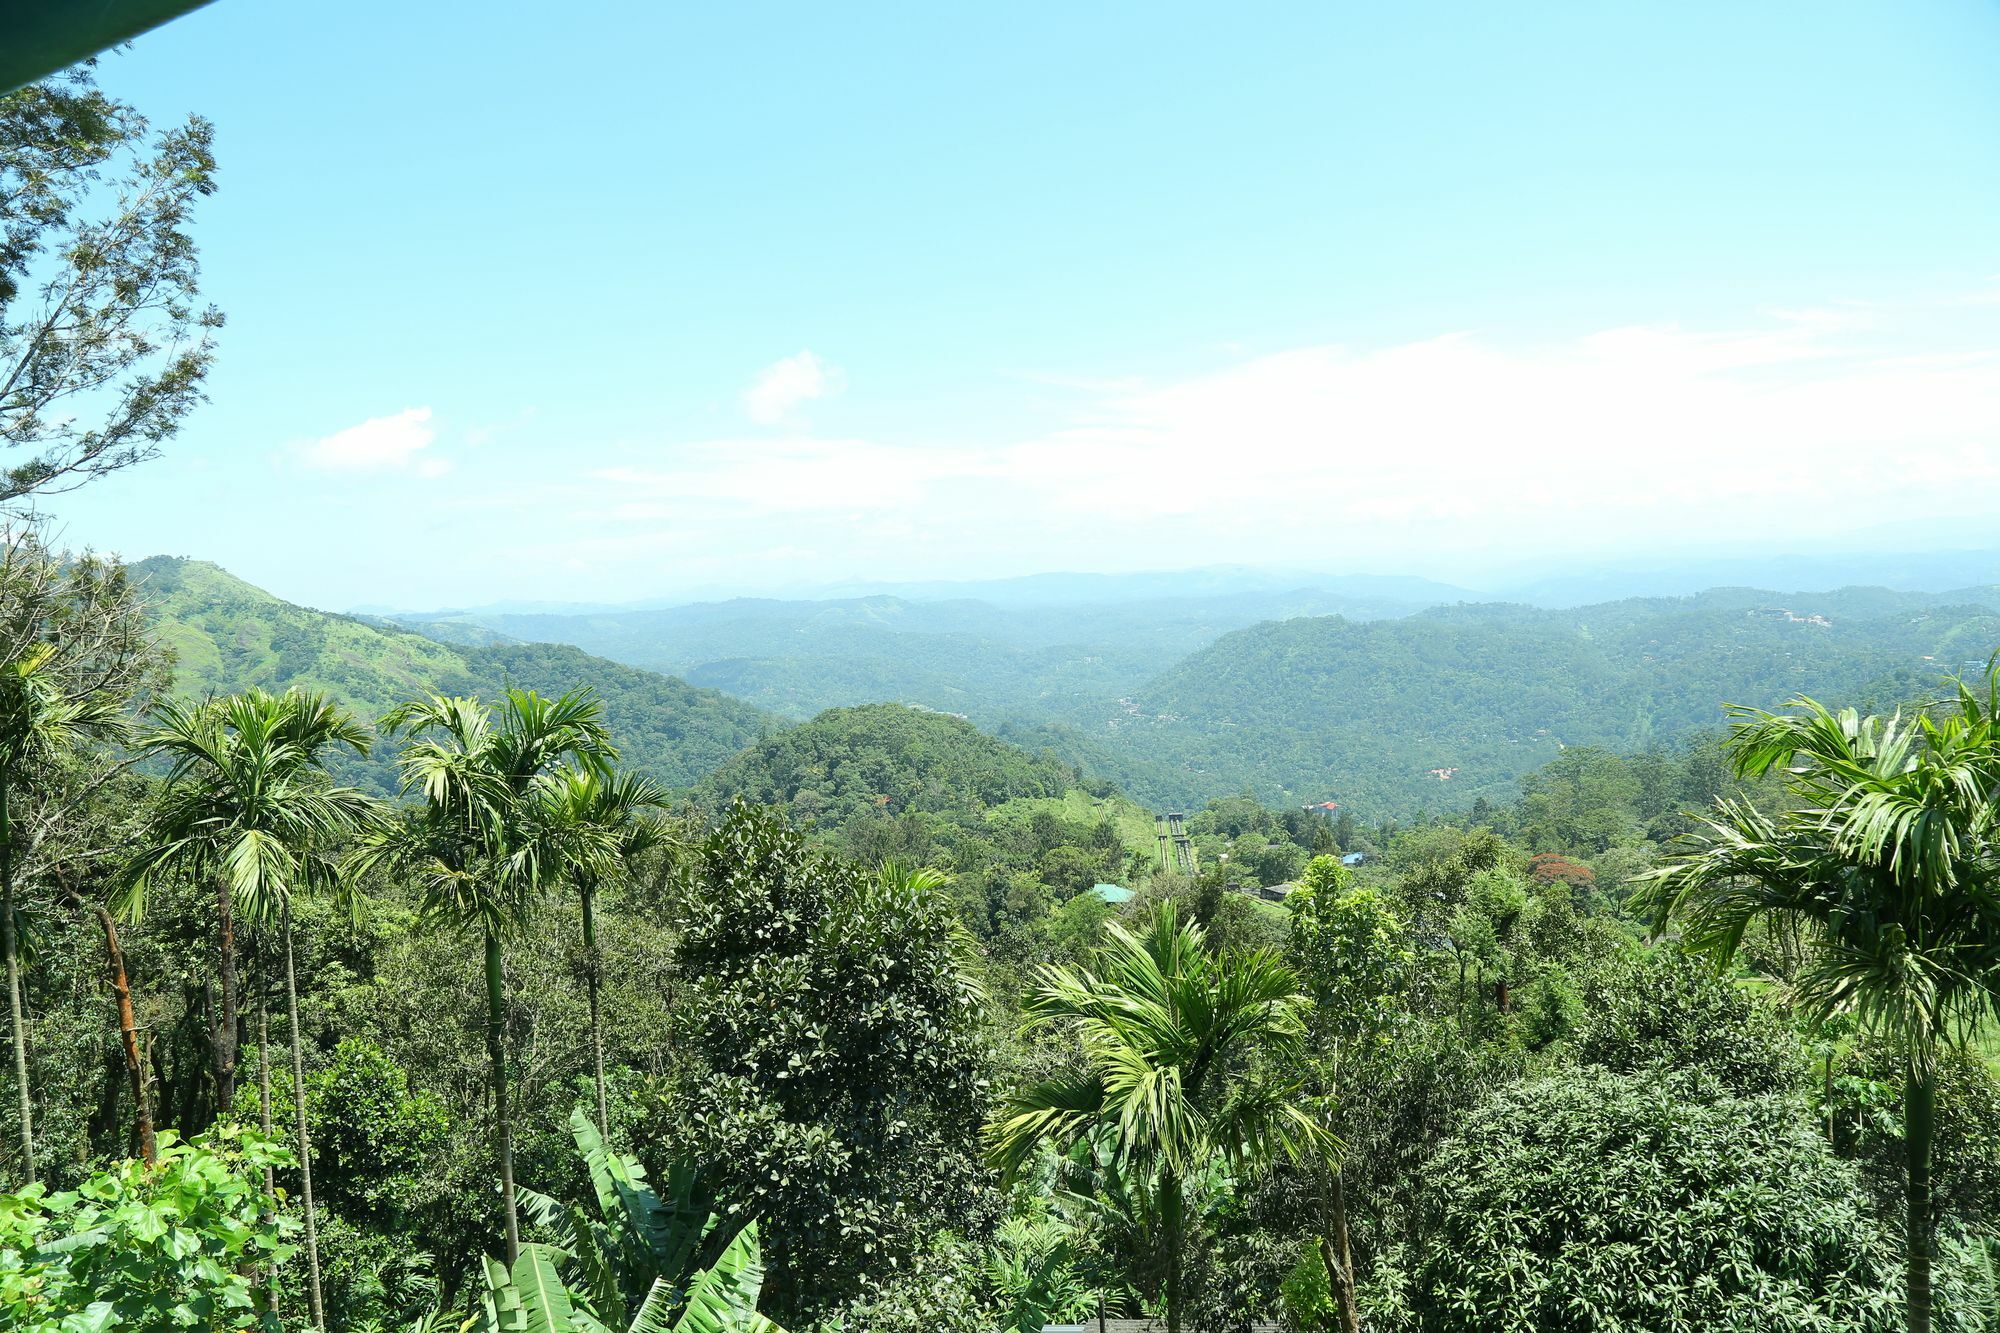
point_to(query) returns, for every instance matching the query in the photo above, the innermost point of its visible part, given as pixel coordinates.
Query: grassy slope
(226, 635)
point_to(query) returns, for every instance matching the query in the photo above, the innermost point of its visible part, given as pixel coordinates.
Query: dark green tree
(1883, 867)
(836, 1084)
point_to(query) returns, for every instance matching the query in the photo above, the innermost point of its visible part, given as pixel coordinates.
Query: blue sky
(644, 299)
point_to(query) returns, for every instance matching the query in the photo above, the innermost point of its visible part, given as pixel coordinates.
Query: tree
(1352, 955)
(40, 721)
(104, 345)
(1615, 1203)
(1882, 867)
(473, 841)
(835, 1085)
(1188, 1056)
(248, 804)
(599, 824)
(72, 654)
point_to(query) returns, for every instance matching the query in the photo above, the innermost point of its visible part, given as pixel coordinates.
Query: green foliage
(851, 761)
(1662, 1010)
(531, 1297)
(1190, 1059)
(1034, 1274)
(1293, 709)
(376, 1140)
(835, 1084)
(638, 1249)
(228, 636)
(1351, 952)
(1607, 1202)
(1305, 1296)
(167, 1246)
(104, 342)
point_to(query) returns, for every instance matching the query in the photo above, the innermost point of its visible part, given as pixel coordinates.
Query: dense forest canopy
(1308, 957)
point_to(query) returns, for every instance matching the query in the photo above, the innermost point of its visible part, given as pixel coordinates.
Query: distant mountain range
(1293, 693)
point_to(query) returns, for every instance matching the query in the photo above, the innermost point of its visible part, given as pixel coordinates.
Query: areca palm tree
(40, 720)
(1190, 1057)
(599, 823)
(248, 803)
(1884, 870)
(477, 845)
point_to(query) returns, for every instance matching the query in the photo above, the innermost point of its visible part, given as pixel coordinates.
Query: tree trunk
(264, 1085)
(12, 945)
(1502, 996)
(1170, 1213)
(1919, 1124)
(264, 1120)
(299, 1110)
(1343, 1287)
(503, 1116)
(225, 1024)
(128, 1033)
(591, 970)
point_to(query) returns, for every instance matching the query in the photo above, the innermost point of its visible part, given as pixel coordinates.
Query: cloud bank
(1462, 447)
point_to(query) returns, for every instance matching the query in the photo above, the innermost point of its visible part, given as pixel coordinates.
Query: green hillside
(226, 634)
(890, 758)
(1364, 712)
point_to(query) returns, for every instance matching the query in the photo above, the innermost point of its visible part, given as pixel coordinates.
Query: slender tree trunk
(1502, 996)
(12, 943)
(1341, 1252)
(591, 972)
(503, 1115)
(128, 1033)
(225, 1025)
(264, 1120)
(299, 1111)
(264, 1084)
(1919, 1125)
(1170, 1210)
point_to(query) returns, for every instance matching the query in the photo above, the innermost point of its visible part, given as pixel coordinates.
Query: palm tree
(1190, 1057)
(1883, 868)
(599, 824)
(476, 842)
(40, 720)
(248, 802)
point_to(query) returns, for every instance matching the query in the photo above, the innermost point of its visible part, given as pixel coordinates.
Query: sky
(620, 301)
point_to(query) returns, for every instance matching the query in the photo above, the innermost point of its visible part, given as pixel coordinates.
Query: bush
(1663, 1010)
(1599, 1201)
(167, 1246)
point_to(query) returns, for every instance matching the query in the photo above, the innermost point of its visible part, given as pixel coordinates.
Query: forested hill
(992, 662)
(1451, 704)
(886, 758)
(226, 634)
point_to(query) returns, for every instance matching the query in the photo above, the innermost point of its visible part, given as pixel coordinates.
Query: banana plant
(531, 1297)
(640, 1244)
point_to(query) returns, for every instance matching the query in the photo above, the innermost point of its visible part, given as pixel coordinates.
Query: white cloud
(1457, 452)
(380, 444)
(784, 386)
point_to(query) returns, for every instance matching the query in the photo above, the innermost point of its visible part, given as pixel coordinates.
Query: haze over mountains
(1389, 695)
